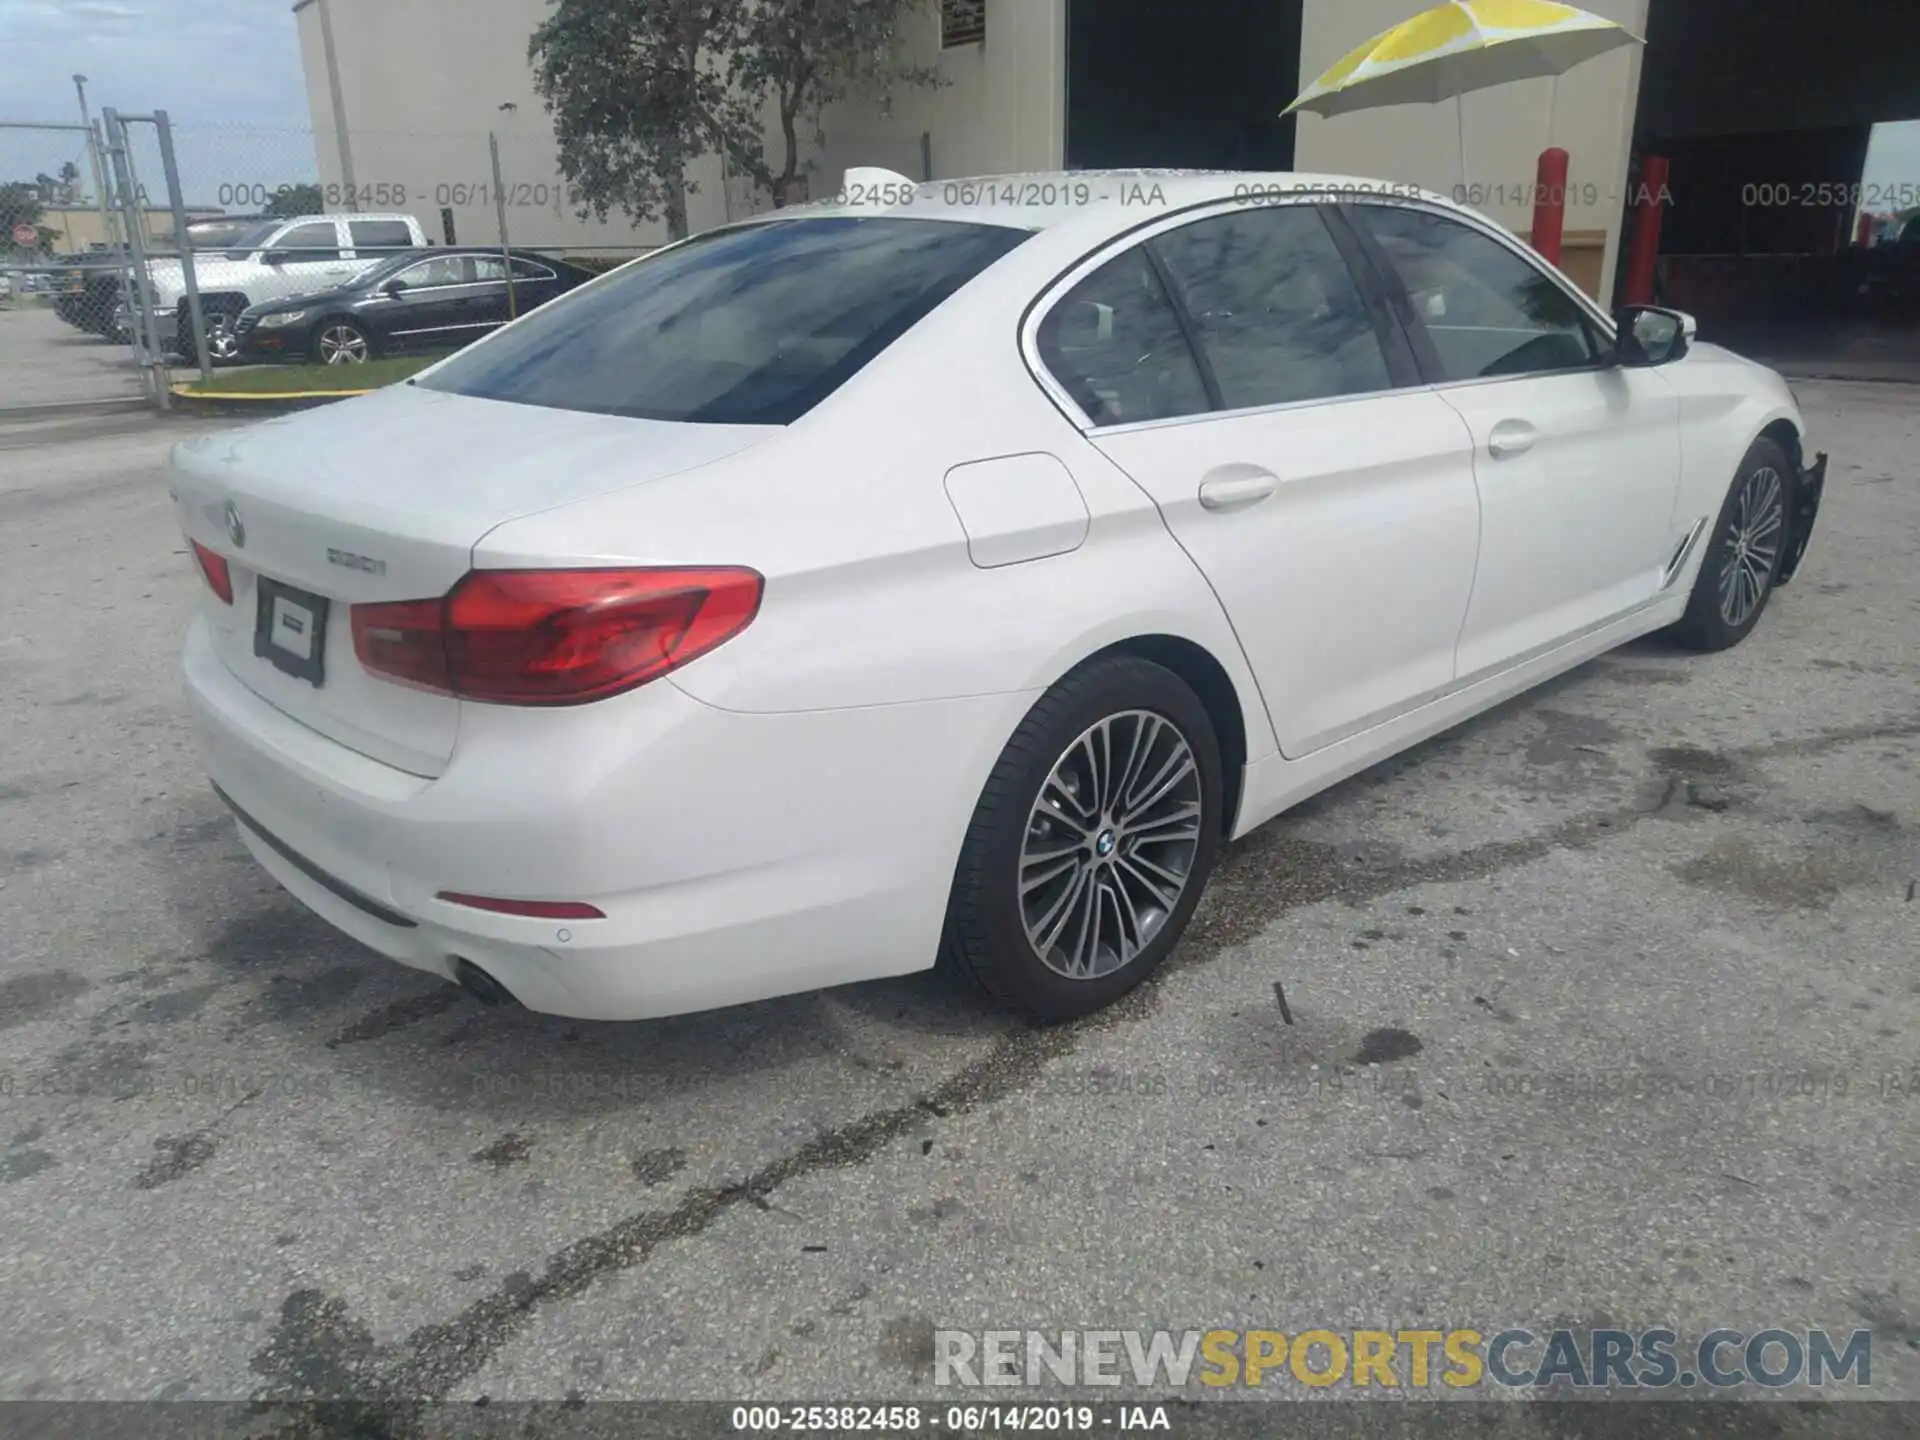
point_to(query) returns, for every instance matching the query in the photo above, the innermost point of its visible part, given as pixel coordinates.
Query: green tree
(70, 182)
(805, 54)
(296, 200)
(638, 90)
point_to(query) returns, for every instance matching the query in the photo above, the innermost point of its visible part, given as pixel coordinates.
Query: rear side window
(1275, 308)
(1114, 343)
(1488, 311)
(380, 235)
(750, 326)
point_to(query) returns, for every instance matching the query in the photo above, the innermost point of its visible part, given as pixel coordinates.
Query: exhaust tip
(479, 984)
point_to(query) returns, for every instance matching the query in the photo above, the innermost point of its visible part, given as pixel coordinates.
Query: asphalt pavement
(1605, 1012)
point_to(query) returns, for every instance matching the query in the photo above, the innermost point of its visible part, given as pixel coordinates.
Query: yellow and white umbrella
(1459, 46)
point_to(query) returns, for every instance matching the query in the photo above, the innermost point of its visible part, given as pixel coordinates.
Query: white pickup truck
(274, 260)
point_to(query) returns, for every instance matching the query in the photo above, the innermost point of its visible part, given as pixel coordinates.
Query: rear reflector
(537, 909)
(555, 637)
(214, 567)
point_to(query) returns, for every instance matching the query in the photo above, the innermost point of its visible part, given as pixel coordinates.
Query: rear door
(1243, 368)
(1577, 460)
(490, 306)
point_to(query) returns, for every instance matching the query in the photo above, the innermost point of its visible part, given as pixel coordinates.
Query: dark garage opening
(1767, 111)
(1199, 85)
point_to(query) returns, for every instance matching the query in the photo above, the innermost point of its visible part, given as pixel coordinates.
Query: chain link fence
(204, 225)
(63, 260)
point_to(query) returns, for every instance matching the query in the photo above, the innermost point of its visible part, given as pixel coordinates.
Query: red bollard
(1863, 230)
(1646, 230)
(1550, 204)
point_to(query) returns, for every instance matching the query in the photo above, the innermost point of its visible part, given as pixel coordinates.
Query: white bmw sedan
(948, 574)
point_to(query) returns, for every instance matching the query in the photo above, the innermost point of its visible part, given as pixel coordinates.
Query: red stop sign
(24, 234)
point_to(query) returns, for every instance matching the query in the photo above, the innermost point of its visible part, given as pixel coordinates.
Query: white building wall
(1000, 106)
(422, 83)
(1591, 117)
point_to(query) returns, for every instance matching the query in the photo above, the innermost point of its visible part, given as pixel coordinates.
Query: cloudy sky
(207, 63)
(200, 60)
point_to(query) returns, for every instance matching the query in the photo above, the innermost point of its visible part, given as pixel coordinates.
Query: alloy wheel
(1752, 546)
(222, 342)
(343, 345)
(1110, 845)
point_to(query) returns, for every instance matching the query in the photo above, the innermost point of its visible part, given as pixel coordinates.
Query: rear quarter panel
(872, 597)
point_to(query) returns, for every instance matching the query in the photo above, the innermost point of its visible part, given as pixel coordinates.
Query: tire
(1731, 592)
(988, 939)
(340, 341)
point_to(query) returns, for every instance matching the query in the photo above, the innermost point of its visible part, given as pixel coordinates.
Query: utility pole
(500, 212)
(342, 139)
(94, 162)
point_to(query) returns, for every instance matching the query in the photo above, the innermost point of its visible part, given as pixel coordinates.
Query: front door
(1272, 413)
(1578, 460)
(429, 305)
(302, 260)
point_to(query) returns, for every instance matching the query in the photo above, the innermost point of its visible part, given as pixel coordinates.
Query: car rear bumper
(1809, 488)
(735, 857)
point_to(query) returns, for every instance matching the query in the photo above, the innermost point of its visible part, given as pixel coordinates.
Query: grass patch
(266, 380)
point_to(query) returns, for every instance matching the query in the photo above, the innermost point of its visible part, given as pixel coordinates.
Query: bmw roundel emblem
(236, 527)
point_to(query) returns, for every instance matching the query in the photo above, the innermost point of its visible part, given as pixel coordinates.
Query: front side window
(753, 325)
(1488, 310)
(318, 241)
(443, 270)
(1274, 307)
(1115, 345)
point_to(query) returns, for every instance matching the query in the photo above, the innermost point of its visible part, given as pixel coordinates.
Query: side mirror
(393, 287)
(1650, 335)
(274, 257)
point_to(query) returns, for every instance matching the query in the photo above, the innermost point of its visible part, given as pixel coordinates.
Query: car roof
(356, 215)
(1041, 200)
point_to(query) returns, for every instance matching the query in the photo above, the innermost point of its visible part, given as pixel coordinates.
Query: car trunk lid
(380, 499)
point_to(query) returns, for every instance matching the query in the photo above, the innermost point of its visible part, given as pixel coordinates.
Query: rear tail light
(556, 637)
(214, 567)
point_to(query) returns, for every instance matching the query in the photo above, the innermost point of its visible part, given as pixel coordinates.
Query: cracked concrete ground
(1605, 1009)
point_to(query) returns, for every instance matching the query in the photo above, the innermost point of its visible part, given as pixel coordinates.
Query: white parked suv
(274, 260)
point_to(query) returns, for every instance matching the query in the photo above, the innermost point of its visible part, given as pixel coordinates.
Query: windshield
(748, 326)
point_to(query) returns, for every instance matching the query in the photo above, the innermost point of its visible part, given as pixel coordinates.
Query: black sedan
(423, 300)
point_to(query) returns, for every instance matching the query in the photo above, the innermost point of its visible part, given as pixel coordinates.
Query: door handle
(1511, 437)
(1235, 487)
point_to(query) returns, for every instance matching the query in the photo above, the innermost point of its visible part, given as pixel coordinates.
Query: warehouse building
(1736, 94)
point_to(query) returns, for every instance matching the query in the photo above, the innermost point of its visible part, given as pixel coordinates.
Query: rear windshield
(750, 326)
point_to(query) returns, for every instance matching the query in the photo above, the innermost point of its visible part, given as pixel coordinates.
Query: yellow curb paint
(186, 394)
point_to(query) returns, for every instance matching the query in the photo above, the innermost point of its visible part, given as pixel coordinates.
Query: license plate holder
(290, 631)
